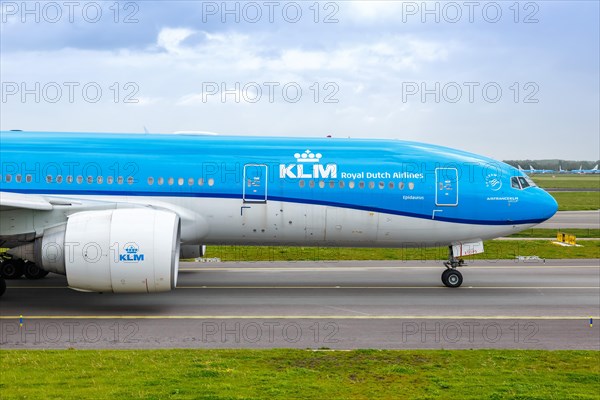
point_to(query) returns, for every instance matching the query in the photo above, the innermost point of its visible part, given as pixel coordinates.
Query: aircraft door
(446, 187)
(255, 182)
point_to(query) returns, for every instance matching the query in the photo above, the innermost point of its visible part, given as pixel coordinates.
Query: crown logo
(131, 248)
(308, 157)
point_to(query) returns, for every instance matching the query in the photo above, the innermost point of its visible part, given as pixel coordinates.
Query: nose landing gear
(451, 277)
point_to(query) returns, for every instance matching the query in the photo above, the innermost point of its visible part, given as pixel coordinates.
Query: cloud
(368, 55)
(171, 38)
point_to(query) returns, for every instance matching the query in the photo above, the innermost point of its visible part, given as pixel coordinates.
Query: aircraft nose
(546, 205)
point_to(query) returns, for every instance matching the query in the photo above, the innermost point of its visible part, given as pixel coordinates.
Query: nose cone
(546, 206)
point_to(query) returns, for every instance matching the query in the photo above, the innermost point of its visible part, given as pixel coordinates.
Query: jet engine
(120, 251)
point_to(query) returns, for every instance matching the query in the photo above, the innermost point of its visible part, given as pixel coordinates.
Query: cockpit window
(521, 182)
(530, 181)
(514, 182)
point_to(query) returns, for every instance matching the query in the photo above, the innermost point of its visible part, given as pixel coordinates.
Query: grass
(577, 201)
(494, 250)
(568, 181)
(295, 374)
(551, 233)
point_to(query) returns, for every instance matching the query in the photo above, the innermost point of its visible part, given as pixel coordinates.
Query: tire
(2, 286)
(11, 269)
(32, 271)
(452, 278)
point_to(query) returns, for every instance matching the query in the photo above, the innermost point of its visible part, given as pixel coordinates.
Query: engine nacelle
(120, 251)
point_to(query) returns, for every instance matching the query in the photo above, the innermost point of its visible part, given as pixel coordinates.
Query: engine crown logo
(132, 254)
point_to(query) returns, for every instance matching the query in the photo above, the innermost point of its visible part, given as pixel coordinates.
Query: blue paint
(466, 187)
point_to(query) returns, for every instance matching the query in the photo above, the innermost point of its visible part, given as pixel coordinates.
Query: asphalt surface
(573, 219)
(338, 305)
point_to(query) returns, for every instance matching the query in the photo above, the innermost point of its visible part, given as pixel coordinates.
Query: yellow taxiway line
(362, 269)
(357, 317)
(349, 287)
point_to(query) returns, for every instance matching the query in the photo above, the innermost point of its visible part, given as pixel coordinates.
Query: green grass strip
(494, 250)
(557, 181)
(551, 233)
(577, 201)
(300, 374)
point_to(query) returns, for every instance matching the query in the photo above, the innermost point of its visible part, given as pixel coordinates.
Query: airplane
(539, 171)
(115, 212)
(586, 171)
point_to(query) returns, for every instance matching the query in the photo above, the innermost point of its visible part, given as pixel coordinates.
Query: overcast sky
(504, 79)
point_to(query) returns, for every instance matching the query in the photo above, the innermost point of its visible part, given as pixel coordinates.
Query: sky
(506, 79)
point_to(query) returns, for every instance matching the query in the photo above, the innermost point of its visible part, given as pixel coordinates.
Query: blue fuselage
(385, 176)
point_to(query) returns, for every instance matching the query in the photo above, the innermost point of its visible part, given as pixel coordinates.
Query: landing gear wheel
(452, 278)
(11, 269)
(2, 286)
(32, 271)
